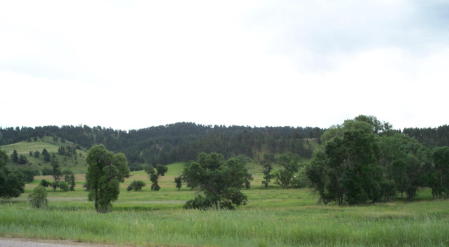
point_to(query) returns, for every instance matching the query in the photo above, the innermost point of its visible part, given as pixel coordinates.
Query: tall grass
(273, 217)
(423, 223)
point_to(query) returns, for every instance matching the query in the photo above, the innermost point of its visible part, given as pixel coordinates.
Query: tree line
(177, 142)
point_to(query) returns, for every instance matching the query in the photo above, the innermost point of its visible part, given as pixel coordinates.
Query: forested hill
(180, 141)
(183, 141)
(430, 136)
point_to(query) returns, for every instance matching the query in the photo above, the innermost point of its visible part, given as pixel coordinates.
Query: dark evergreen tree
(11, 181)
(15, 156)
(56, 173)
(46, 155)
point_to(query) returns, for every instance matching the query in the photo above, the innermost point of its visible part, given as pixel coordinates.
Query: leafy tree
(136, 185)
(290, 167)
(105, 171)
(69, 178)
(267, 161)
(36, 154)
(178, 182)
(38, 198)
(345, 169)
(154, 177)
(267, 176)
(11, 181)
(377, 125)
(218, 180)
(161, 170)
(440, 177)
(45, 183)
(63, 186)
(403, 159)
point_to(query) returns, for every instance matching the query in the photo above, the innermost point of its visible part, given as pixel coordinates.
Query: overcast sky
(134, 64)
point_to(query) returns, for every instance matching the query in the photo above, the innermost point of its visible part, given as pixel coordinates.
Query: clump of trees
(218, 180)
(105, 172)
(12, 183)
(285, 177)
(136, 185)
(364, 160)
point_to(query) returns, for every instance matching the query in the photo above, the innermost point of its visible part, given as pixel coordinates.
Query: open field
(273, 217)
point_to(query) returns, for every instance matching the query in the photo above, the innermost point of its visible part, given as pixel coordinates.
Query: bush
(45, 183)
(38, 198)
(136, 185)
(63, 186)
(218, 180)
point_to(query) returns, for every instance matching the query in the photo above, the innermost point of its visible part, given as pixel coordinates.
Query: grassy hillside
(77, 164)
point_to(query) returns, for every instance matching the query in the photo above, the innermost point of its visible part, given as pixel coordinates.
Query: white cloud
(139, 63)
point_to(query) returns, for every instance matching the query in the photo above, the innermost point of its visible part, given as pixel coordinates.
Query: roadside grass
(272, 217)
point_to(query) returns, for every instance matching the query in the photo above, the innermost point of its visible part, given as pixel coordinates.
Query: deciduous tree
(105, 172)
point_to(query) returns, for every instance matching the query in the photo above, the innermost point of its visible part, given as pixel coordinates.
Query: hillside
(33, 153)
(179, 142)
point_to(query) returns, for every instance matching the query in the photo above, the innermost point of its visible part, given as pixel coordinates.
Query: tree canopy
(219, 181)
(11, 181)
(105, 171)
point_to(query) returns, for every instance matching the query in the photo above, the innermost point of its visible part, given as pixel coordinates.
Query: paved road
(9, 242)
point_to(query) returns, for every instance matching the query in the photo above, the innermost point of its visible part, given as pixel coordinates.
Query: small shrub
(38, 198)
(63, 186)
(136, 185)
(45, 183)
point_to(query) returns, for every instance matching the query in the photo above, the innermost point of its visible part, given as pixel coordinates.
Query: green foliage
(439, 178)
(63, 186)
(345, 169)
(136, 185)
(154, 177)
(56, 173)
(178, 182)
(11, 181)
(45, 183)
(15, 156)
(290, 166)
(404, 161)
(38, 197)
(29, 172)
(22, 160)
(365, 161)
(69, 178)
(161, 170)
(46, 155)
(104, 174)
(267, 176)
(218, 180)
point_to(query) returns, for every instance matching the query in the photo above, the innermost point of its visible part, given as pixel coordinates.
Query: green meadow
(272, 217)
